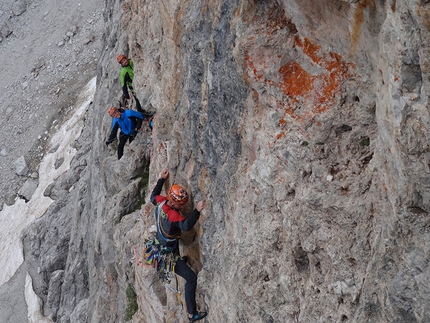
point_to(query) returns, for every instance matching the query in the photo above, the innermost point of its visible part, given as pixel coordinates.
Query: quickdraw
(159, 257)
(148, 120)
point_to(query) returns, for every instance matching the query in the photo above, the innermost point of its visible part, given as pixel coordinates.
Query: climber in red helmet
(169, 225)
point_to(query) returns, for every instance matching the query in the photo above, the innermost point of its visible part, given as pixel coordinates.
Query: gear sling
(163, 258)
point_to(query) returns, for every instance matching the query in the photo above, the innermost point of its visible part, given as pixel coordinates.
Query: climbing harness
(163, 259)
(157, 256)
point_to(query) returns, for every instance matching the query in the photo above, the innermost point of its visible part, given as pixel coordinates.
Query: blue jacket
(129, 122)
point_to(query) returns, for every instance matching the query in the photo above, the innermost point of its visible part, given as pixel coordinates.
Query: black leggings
(138, 106)
(122, 141)
(188, 274)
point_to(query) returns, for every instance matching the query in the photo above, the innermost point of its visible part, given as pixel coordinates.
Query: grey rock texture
(303, 124)
(40, 81)
(12, 298)
(28, 189)
(21, 167)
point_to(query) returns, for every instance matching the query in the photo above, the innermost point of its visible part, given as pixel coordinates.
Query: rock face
(303, 124)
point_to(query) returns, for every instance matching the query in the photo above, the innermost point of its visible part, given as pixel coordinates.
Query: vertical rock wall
(304, 124)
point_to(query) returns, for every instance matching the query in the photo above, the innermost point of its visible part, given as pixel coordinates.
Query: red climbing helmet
(120, 57)
(112, 111)
(177, 194)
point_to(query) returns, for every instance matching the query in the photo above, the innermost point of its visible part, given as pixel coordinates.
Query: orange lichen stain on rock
(423, 14)
(356, 27)
(288, 111)
(309, 49)
(250, 65)
(280, 135)
(308, 94)
(319, 91)
(282, 122)
(358, 21)
(296, 82)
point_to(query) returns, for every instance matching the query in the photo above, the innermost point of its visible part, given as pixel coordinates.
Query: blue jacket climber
(129, 122)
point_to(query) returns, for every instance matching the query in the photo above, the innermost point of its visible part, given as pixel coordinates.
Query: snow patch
(14, 218)
(34, 304)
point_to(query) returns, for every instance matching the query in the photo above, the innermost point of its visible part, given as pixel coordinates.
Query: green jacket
(123, 74)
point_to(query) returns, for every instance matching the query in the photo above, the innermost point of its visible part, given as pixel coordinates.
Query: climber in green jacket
(126, 76)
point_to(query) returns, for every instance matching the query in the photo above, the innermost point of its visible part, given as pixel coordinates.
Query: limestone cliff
(303, 124)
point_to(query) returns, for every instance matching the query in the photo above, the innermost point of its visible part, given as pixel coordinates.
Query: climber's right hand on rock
(164, 173)
(200, 206)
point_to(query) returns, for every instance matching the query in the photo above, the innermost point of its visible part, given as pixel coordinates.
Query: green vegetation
(132, 303)
(365, 142)
(143, 186)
